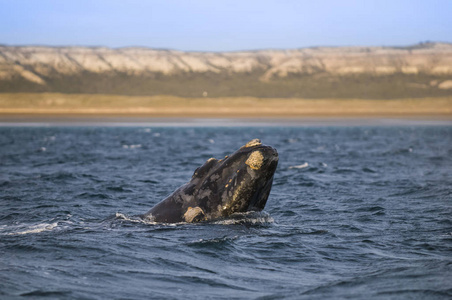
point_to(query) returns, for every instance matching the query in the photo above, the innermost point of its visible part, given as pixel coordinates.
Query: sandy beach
(55, 107)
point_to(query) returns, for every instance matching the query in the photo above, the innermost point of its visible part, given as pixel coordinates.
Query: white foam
(125, 218)
(237, 218)
(253, 221)
(217, 240)
(148, 221)
(246, 218)
(120, 216)
(131, 146)
(302, 166)
(35, 228)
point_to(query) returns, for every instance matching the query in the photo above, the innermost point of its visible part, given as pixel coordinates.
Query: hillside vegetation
(423, 70)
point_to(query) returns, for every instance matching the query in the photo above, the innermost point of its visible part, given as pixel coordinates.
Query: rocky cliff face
(424, 69)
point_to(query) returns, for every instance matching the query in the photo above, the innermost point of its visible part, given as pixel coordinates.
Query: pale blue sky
(214, 25)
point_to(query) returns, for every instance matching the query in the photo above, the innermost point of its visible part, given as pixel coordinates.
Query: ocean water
(356, 212)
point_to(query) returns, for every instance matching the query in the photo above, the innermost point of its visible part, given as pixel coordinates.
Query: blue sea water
(356, 212)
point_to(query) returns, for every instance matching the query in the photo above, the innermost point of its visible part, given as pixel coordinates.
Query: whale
(240, 182)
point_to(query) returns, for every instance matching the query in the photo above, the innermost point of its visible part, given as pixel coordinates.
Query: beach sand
(55, 107)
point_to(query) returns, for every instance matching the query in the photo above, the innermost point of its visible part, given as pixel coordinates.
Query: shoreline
(104, 121)
(93, 109)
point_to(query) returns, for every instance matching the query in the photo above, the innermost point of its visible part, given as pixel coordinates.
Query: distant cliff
(324, 72)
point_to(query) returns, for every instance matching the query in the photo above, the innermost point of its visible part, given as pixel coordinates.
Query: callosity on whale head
(238, 183)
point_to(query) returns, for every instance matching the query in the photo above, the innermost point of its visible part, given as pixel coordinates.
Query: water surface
(355, 212)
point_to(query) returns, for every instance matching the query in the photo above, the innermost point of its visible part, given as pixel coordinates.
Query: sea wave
(28, 229)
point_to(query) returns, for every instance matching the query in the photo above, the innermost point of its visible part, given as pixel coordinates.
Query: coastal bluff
(422, 70)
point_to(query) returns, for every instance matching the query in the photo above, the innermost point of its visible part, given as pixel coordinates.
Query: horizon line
(421, 43)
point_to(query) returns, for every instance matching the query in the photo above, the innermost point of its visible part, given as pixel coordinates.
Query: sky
(217, 25)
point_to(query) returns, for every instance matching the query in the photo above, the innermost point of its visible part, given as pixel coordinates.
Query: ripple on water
(353, 211)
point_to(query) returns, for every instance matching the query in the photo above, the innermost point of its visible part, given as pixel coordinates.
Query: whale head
(239, 182)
